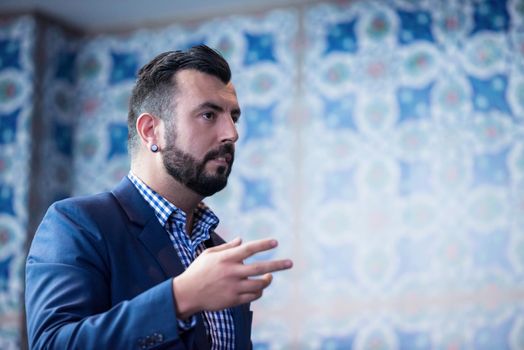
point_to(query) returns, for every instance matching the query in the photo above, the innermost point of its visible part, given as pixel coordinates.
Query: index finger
(248, 249)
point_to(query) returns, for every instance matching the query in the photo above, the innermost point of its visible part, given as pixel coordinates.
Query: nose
(228, 130)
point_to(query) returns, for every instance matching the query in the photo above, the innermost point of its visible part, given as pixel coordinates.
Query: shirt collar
(204, 218)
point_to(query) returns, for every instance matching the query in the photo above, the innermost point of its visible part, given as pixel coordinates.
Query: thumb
(235, 242)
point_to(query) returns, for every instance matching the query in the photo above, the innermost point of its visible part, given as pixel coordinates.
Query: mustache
(221, 151)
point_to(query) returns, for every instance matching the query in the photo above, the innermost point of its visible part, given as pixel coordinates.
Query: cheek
(192, 147)
(197, 144)
(193, 140)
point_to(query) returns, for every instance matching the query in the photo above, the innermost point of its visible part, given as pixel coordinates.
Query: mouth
(223, 156)
(227, 157)
(223, 159)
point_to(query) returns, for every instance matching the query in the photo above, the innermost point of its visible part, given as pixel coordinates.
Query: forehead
(194, 85)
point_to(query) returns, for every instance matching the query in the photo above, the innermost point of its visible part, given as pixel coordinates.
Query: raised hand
(218, 278)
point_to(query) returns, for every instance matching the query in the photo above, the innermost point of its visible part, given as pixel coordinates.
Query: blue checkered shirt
(219, 324)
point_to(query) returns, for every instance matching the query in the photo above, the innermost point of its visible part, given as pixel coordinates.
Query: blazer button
(158, 337)
(150, 342)
(142, 343)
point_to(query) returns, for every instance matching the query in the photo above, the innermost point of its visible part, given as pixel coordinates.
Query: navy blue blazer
(99, 276)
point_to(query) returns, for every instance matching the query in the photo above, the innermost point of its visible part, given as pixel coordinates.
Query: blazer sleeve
(68, 293)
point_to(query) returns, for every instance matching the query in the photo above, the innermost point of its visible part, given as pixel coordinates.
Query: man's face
(200, 136)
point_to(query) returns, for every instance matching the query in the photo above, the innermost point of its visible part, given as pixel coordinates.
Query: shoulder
(90, 203)
(72, 228)
(85, 209)
(79, 220)
(92, 206)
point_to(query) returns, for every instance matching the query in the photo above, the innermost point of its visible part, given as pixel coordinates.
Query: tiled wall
(17, 42)
(381, 143)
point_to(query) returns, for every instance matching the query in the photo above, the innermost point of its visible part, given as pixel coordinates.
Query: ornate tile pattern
(381, 143)
(16, 93)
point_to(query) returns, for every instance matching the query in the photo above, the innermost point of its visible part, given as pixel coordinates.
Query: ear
(148, 128)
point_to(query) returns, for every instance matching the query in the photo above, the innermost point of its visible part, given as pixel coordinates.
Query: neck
(176, 193)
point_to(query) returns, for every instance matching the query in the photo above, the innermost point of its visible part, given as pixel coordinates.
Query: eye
(208, 115)
(235, 117)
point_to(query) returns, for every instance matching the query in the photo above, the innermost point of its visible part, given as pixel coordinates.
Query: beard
(191, 172)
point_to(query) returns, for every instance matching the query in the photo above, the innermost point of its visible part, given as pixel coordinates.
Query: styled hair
(155, 88)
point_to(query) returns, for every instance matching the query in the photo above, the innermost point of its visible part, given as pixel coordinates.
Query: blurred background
(381, 143)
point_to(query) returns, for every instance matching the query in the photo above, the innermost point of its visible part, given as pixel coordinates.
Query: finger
(248, 249)
(234, 243)
(248, 297)
(263, 267)
(255, 285)
(268, 278)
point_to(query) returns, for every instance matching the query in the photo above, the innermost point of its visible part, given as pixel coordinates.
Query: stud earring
(154, 148)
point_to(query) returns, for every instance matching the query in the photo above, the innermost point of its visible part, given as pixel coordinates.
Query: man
(140, 267)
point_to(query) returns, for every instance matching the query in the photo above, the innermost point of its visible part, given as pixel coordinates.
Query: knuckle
(250, 250)
(258, 269)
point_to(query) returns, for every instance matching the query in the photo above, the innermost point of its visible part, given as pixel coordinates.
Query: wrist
(183, 299)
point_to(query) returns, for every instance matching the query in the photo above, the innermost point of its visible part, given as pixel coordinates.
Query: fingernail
(274, 242)
(288, 263)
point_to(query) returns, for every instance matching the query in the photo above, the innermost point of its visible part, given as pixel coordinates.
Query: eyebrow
(236, 112)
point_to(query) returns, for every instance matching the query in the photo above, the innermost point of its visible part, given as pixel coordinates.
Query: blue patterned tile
(64, 101)
(10, 89)
(261, 345)
(5, 266)
(414, 340)
(259, 123)
(338, 113)
(9, 54)
(89, 68)
(259, 48)
(414, 25)
(341, 37)
(7, 234)
(8, 127)
(60, 194)
(339, 185)
(124, 67)
(344, 31)
(337, 343)
(63, 138)
(379, 27)
(7, 197)
(414, 103)
(257, 194)
(414, 255)
(490, 15)
(493, 336)
(492, 169)
(490, 250)
(342, 264)
(191, 43)
(414, 177)
(117, 133)
(65, 69)
(490, 94)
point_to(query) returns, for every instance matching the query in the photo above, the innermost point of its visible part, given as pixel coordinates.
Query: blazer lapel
(155, 239)
(157, 242)
(148, 229)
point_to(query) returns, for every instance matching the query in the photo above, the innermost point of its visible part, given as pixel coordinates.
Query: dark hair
(155, 87)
